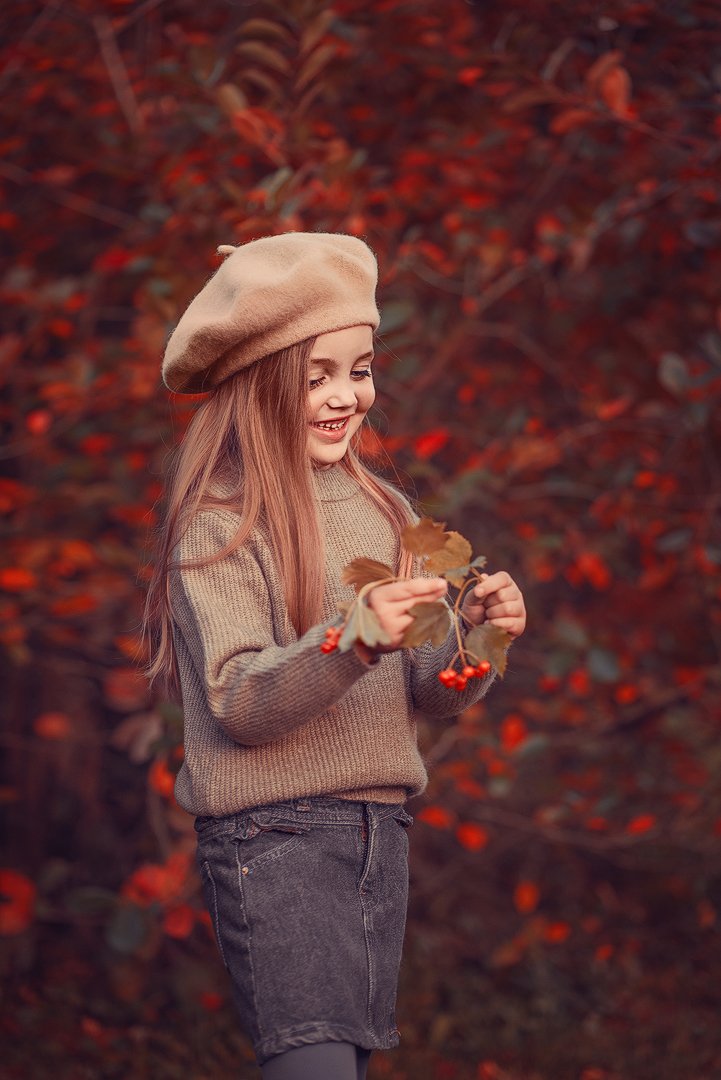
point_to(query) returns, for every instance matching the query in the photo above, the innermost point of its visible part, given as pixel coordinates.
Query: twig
(144, 9)
(15, 64)
(118, 73)
(553, 833)
(78, 203)
(556, 58)
(523, 343)
(508, 281)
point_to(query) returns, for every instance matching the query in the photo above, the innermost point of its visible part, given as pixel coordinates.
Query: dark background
(541, 185)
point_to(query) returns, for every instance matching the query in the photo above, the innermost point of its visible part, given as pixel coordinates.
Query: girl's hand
(496, 600)
(391, 604)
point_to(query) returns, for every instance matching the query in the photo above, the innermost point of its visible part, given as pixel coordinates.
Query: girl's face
(340, 390)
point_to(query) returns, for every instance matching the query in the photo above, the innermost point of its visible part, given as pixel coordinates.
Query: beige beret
(266, 295)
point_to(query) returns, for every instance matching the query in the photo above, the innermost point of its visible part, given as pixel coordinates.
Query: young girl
(297, 762)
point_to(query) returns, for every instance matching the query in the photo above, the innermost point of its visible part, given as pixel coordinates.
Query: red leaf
(471, 836)
(436, 816)
(570, 119)
(526, 896)
(641, 824)
(429, 444)
(211, 1000)
(17, 579)
(513, 732)
(615, 89)
(17, 901)
(178, 921)
(160, 778)
(52, 725)
(556, 932)
(38, 421)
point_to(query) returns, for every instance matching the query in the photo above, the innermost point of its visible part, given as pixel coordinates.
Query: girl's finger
(398, 591)
(513, 625)
(512, 610)
(508, 593)
(491, 583)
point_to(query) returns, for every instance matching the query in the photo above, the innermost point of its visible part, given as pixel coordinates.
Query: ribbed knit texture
(267, 716)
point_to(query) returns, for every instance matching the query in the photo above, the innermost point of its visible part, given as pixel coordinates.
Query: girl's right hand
(391, 604)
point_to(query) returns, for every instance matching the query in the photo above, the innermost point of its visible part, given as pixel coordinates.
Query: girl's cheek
(367, 396)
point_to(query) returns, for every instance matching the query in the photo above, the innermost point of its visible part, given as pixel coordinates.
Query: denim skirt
(308, 900)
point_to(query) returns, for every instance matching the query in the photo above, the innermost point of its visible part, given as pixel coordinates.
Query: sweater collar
(334, 484)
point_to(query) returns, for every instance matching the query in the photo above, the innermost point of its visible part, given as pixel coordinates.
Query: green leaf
(673, 373)
(430, 620)
(396, 313)
(489, 643)
(128, 929)
(603, 665)
(362, 625)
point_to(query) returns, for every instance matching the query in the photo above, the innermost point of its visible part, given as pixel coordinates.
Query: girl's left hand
(496, 600)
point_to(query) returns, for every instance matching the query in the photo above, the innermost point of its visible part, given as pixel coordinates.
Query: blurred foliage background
(541, 184)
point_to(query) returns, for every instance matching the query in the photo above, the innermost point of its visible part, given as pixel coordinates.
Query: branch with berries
(444, 554)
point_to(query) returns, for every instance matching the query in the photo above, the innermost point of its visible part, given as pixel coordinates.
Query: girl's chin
(326, 455)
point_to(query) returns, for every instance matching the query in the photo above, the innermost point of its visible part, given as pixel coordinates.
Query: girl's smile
(332, 429)
(340, 390)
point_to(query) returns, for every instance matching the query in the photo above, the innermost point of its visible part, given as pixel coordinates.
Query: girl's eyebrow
(331, 363)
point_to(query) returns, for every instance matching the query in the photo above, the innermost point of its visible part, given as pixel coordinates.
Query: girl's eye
(366, 373)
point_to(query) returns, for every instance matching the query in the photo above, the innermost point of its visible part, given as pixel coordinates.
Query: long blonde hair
(252, 431)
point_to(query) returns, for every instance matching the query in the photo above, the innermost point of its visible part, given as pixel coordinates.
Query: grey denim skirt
(308, 900)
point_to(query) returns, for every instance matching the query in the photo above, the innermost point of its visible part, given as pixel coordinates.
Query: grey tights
(319, 1061)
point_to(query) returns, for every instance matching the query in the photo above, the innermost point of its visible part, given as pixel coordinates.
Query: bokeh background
(541, 183)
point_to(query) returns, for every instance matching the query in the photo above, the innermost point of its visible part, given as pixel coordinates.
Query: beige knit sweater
(258, 702)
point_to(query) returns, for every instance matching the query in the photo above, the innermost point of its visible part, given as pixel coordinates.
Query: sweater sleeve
(255, 689)
(432, 696)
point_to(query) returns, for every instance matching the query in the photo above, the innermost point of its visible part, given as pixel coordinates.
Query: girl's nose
(343, 395)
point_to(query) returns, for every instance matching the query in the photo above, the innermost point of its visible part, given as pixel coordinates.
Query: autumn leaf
(489, 643)
(526, 896)
(600, 67)
(435, 816)
(615, 90)
(430, 620)
(17, 901)
(570, 119)
(362, 625)
(178, 921)
(425, 538)
(471, 836)
(362, 571)
(458, 574)
(455, 553)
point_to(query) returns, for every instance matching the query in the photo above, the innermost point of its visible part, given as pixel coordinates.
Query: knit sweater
(267, 716)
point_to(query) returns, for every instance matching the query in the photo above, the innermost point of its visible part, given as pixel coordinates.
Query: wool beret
(266, 295)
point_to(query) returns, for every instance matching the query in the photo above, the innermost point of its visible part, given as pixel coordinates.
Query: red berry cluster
(457, 680)
(332, 637)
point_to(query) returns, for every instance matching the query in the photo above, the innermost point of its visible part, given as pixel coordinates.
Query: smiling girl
(297, 764)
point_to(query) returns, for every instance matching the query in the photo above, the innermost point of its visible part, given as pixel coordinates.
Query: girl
(297, 763)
